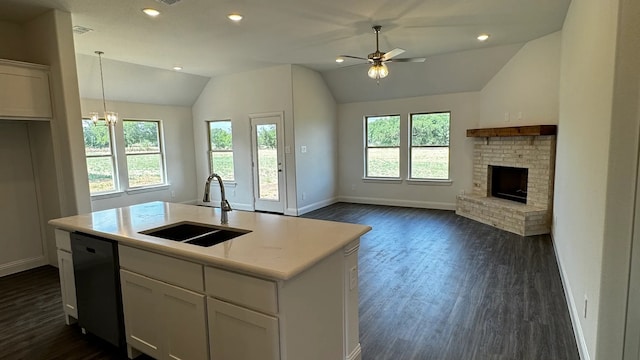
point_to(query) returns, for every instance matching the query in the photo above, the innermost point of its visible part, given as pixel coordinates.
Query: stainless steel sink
(195, 233)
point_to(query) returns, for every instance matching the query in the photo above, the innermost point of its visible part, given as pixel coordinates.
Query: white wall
(315, 115)
(178, 142)
(464, 109)
(622, 198)
(586, 91)
(526, 88)
(234, 97)
(12, 40)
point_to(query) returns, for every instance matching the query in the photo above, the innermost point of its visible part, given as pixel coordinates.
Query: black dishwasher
(96, 271)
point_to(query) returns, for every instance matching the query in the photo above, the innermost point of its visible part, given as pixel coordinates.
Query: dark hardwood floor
(433, 285)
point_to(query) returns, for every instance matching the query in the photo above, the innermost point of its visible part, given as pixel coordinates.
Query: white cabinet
(162, 320)
(67, 280)
(24, 91)
(237, 333)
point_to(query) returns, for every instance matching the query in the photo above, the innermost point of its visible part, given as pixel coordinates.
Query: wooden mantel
(535, 130)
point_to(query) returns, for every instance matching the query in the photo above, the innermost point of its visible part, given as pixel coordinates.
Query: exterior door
(268, 162)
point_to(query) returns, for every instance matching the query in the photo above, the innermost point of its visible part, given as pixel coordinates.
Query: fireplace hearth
(513, 170)
(508, 183)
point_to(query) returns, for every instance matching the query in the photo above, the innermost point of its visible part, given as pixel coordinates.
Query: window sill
(382, 180)
(144, 189)
(444, 182)
(107, 195)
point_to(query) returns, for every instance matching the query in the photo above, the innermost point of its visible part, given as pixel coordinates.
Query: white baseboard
(291, 212)
(574, 313)
(402, 203)
(356, 354)
(21, 265)
(317, 205)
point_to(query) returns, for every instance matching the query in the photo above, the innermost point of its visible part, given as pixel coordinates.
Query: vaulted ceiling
(197, 35)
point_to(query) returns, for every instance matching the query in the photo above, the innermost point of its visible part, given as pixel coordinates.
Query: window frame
(410, 148)
(367, 147)
(161, 152)
(211, 151)
(113, 156)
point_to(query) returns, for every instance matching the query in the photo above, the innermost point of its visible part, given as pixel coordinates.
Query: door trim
(281, 147)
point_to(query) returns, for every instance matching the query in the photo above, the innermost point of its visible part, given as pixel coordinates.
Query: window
(98, 145)
(383, 146)
(429, 150)
(221, 149)
(144, 152)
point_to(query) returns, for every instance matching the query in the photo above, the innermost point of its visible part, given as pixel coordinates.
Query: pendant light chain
(104, 102)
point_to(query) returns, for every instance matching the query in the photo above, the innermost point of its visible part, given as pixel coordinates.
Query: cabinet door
(236, 333)
(142, 312)
(67, 284)
(24, 92)
(183, 323)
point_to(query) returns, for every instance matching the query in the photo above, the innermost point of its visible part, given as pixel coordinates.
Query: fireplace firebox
(508, 183)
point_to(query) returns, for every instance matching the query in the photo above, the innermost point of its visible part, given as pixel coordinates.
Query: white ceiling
(197, 35)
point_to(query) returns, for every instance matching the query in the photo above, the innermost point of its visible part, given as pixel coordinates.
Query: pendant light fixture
(110, 117)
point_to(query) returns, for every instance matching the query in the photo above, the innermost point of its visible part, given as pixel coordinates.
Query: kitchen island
(286, 288)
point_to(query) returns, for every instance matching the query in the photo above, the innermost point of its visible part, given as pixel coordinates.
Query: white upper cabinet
(24, 91)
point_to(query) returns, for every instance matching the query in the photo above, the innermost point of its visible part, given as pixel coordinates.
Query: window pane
(97, 140)
(383, 130)
(383, 162)
(222, 164)
(141, 136)
(101, 172)
(220, 135)
(144, 170)
(430, 129)
(430, 163)
(267, 162)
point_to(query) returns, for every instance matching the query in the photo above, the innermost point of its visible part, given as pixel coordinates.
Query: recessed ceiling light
(177, 68)
(339, 60)
(234, 17)
(151, 12)
(483, 37)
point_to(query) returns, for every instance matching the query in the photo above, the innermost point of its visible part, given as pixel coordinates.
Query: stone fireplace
(513, 171)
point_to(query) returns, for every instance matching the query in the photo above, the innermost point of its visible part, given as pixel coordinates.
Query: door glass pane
(267, 162)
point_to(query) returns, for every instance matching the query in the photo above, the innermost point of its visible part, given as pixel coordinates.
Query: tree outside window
(98, 145)
(144, 152)
(430, 146)
(383, 146)
(221, 149)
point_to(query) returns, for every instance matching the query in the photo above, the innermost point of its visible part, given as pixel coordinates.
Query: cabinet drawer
(63, 240)
(166, 268)
(240, 289)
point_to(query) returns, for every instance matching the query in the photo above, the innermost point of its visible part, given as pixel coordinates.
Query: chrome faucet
(224, 204)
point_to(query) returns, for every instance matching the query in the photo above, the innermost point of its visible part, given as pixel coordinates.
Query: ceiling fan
(377, 59)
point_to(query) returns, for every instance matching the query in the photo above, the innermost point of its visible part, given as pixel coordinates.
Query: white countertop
(278, 247)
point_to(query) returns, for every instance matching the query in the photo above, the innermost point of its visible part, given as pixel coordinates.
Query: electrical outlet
(304, 195)
(586, 301)
(506, 117)
(173, 194)
(519, 115)
(353, 187)
(303, 149)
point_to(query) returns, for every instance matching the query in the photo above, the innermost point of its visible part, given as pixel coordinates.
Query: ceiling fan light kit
(377, 59)
(378, 71)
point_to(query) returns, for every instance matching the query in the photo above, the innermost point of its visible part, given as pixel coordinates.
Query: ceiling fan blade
(353, 57)
(392, 53)
(408, 60)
